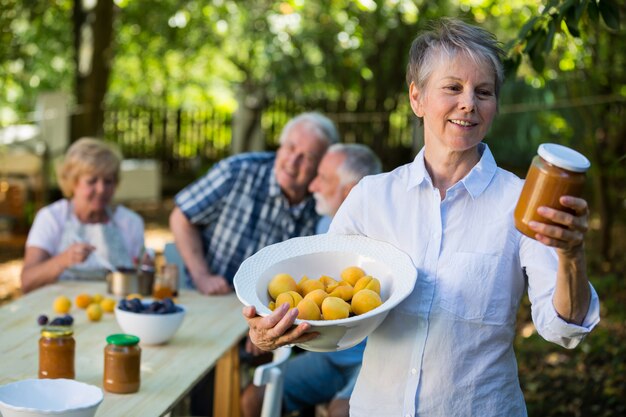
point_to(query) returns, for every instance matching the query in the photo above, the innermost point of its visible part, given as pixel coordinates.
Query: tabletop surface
(210, 328)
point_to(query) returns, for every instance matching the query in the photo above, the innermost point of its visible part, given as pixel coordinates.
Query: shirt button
(413, 371)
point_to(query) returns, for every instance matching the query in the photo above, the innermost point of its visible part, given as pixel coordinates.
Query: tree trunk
(247, 130)
(93, 36)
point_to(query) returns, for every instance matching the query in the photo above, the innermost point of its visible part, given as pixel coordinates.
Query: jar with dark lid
(56, 352)
(122, 362)
(556, 171)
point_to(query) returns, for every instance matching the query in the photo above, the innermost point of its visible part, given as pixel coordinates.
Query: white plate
(329, 254)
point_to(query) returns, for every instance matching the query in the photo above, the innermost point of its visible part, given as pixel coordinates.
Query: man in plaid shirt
(249, 201)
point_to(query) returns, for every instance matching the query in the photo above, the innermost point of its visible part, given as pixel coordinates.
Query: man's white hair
(360, 161)
(323, 127)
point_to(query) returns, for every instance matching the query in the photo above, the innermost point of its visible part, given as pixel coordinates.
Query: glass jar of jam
(556, 171)
(56, 352)
(122, 361)
(166, 283)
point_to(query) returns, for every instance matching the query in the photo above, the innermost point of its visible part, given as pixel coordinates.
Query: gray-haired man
(330, 376)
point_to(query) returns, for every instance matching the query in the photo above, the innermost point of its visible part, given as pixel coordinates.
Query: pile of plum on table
(66, 320)
(135, 305)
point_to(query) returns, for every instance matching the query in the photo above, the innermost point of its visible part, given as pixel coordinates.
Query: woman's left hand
(568, 234)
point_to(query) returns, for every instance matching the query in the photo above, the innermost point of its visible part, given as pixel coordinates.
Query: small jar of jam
(556, 171)
(122, 361)
(166, 283)
(56, 352)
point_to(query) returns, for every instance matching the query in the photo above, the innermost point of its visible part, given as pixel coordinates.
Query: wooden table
(208, 337)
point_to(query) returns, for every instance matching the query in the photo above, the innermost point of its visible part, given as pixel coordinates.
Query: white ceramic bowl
(49, 397)
(152, 329)
(328, 254)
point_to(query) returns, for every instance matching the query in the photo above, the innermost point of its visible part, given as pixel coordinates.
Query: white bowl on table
(150, 328)
(49, 397)
(329, 254)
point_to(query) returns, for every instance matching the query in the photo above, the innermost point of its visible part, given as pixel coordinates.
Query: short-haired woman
(447, 349)
(65, 233)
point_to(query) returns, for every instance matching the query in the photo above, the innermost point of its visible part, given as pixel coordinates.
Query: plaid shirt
(240, 208)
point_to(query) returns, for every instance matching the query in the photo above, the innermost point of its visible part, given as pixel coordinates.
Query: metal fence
(187, 142)
(388, 132)
(182, 140)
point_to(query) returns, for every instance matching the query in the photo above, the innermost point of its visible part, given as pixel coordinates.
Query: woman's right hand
(276, 329)
(77, 253)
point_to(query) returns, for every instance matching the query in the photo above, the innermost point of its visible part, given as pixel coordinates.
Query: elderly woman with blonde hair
(66, 233)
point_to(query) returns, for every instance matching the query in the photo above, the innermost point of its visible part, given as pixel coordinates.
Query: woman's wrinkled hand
(77, 253)
(568, 233)
(253, 349)
(276, 330)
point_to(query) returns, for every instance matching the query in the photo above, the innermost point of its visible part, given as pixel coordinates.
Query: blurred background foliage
(566, 83)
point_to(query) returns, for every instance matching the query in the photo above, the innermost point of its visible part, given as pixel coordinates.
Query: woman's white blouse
(50, 222)
(447, 350)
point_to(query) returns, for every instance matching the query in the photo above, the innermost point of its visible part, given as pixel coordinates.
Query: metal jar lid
(563, 157)
(57, 331)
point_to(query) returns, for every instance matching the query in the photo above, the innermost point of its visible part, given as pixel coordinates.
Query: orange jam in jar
(122, 361)
(556, 171)
(56, 352)
(166, 283)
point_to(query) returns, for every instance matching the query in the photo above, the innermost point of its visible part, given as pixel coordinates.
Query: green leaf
(550, 37)
(511, 64)
(537, 55)
(551, 4)
(610, 13)
(580, 9)
(593, 11)
(526, 28)
(538, 61)
(536, 37)
(571, 22)
(563, 8)
(511, 44)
